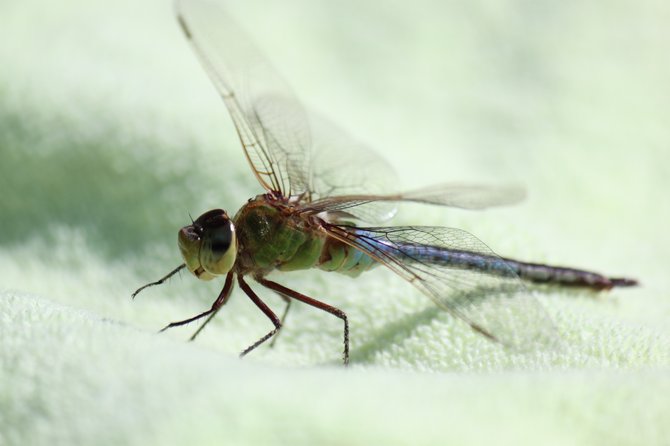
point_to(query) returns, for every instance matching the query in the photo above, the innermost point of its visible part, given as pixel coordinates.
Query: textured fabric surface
(111, 135)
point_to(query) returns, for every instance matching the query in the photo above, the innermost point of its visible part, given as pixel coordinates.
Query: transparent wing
(270, 122)
(464, 196)
(299, 154)
(290, 151)
(468, 196)
(496, 305)
(342, 166)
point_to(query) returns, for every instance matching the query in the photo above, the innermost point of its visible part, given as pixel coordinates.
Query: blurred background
(111, 135)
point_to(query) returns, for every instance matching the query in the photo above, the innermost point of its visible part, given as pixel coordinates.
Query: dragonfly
(325, 204)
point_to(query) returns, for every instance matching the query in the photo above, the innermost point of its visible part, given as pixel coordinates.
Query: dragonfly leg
(265, 309)
(315, 303)
(282, 320)
(159, 281)
(216, 306)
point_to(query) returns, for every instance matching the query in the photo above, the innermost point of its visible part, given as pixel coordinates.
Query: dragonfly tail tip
(623, 282)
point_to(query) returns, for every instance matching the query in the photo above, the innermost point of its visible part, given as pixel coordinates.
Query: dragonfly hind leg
(287, 292)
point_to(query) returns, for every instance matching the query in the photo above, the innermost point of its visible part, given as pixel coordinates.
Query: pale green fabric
(110, 135)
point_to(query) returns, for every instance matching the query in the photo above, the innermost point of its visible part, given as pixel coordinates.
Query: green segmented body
(271, 237)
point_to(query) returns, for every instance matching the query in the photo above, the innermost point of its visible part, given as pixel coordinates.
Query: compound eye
(219, 242)
(209, 245)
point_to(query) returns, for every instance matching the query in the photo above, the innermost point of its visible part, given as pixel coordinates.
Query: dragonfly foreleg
(159, 281)
(216, 306)
(265, 309)
(316, 304)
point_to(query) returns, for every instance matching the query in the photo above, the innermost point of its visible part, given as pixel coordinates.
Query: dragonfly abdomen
(342, 258)
(498, 266)
(458, 259)
(563, 276)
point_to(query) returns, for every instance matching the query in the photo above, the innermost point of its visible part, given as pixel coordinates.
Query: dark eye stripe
(221, 237)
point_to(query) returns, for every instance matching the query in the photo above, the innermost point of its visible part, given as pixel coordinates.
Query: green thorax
(272, 235)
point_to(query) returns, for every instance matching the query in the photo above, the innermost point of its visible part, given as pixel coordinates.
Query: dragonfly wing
(497, 305)
(290, 151)
(464, 196)
(468, 196)
(271, 123)
(296, 153)
(343, 166)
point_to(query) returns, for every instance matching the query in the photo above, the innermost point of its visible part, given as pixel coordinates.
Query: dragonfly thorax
(209, 244)
(275, 234)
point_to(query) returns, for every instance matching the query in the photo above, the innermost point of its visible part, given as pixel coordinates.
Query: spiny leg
(229, 284)
(265, 309)
(315, 303)
(207, 321)
(282, 320)
(159, 281)
(218, 303)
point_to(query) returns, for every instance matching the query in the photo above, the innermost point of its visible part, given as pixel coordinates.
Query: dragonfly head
(209, 245)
